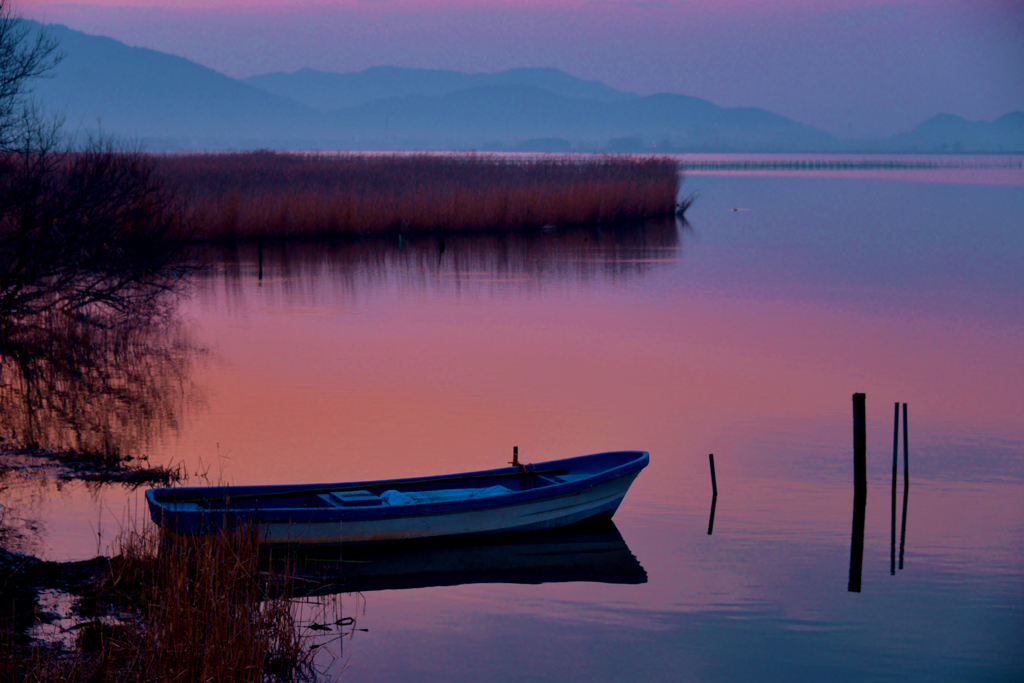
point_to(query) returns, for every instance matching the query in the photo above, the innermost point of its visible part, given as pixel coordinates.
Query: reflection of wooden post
(895, 458)
(711, 517)
(860, 492)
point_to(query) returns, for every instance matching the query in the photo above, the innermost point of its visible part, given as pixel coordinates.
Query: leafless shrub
(91, 257)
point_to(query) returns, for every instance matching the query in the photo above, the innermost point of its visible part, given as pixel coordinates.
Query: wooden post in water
(906, 485)
(714, 494)
(860, 493)
(860, 445)
(259, 257)
(714, 484)
(895, 458)
(906, 444)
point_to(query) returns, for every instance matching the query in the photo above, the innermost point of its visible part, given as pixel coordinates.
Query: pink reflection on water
(383, 361)
(397, 388)
(386, 368)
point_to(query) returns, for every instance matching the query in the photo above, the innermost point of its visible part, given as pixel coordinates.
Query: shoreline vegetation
(99, 467)
(272, 195)
(156, 610)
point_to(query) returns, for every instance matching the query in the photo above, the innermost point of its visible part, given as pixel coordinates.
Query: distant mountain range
(332, 91)
(165, 102)
(953, 134)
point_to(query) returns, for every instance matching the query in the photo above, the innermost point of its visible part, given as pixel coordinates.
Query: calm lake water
(743, 334)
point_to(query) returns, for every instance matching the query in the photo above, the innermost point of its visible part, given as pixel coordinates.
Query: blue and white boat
(523, 498)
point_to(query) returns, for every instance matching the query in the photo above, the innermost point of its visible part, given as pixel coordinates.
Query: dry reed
(274, 195)
(199, 609)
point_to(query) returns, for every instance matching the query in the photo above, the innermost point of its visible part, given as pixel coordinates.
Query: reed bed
(279, 195)
(199, 609)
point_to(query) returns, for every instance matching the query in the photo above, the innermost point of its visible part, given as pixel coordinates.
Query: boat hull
(584, 491)
(550, 513)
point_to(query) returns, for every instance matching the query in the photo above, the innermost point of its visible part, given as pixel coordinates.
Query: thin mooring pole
(714, 494)
(895, 458)
(860, 493)
(906, 485)
(714, 484)
(906, 444)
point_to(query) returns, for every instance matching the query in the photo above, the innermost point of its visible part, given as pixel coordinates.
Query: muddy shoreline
(92, 468)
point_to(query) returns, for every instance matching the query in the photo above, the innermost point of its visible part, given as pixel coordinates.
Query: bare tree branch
(91, 256)
(25, 55)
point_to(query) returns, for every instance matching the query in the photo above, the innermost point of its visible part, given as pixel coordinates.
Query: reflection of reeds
(482, 264)
(265, 194)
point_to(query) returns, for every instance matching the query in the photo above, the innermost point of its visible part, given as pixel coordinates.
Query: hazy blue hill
(513, 112)
(332, 91)
(692, 123)
(505, 116)
(949, 133)
(556, 81)
(163, 100)
(168, 102)
(1012, 121)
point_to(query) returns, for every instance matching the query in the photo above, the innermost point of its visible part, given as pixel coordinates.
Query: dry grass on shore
(272, 195)
(198, 610)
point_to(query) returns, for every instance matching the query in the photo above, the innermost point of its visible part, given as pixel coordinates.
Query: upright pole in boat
(515, 461)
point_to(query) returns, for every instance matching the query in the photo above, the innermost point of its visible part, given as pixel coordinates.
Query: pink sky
(860, 67)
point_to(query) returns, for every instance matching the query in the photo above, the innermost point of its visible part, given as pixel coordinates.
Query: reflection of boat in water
(522, 498)
(592, 551)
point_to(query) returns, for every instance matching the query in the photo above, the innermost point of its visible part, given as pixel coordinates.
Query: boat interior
(371, 494)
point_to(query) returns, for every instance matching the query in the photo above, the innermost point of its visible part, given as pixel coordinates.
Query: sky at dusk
(852, 67)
